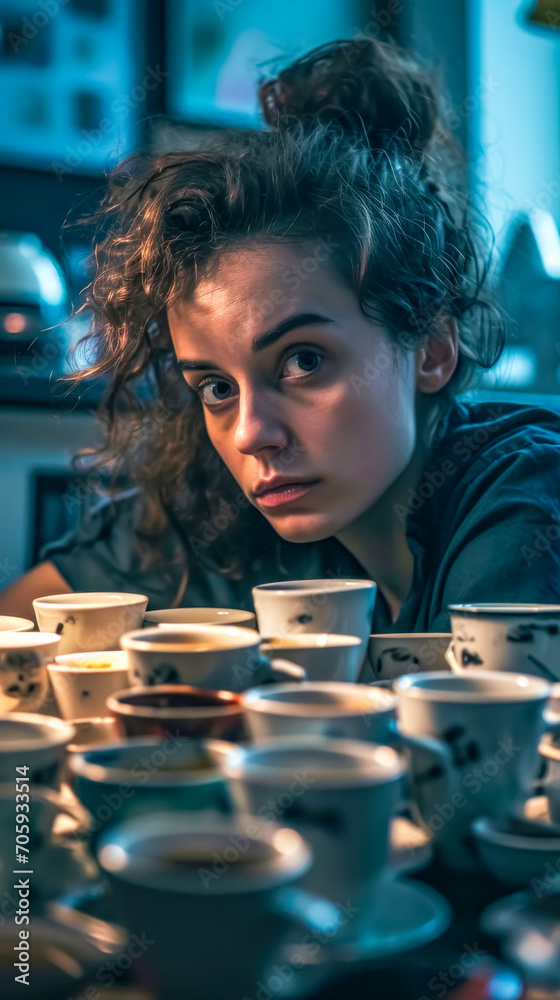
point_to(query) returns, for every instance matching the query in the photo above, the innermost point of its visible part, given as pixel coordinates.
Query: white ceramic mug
(490, 724)
(82, 682)
(324, 656)
(335, 606)
(87, 622)
(321, 708)
(393, 654)
(24, 679)
(226, 658)
(216, 897)
(340, 795)
(521, 638)
(200, 616)
(36, 744)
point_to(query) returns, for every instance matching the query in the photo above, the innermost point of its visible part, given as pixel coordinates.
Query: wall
(31, 440)
(518, 154)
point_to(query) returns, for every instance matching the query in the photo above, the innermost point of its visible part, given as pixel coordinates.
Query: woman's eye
(214, 391)
(302, 362)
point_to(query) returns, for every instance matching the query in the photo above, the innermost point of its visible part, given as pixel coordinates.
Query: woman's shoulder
(486, 455)
(491, 526)
(494, 427)
(488, 438)
(104, 550)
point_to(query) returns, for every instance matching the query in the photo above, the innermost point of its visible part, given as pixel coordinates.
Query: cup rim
(105, 774)
(62, 730)
(285, 865)
(307, 587)
(26, 625)
(343, 640)
(532, 688)
(244, 616)
(505, 609)
(235, 764)
(138, 641)
(88, 602)
(483, 830)
(261, 699)
(67, 668)
(13, 640)
(114, 703)
(411, 635)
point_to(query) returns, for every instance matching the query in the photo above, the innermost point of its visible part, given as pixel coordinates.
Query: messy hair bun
(370, 87)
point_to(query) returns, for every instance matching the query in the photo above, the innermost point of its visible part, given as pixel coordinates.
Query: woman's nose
(259, 425)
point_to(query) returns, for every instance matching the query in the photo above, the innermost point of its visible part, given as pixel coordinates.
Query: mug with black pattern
(520, 638)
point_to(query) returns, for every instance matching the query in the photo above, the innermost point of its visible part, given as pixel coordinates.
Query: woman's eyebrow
(265, 339)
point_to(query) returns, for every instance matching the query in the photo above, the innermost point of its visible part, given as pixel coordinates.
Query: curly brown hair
(356, 154)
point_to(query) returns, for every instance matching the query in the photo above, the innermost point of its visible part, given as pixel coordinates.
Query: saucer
(404, 915)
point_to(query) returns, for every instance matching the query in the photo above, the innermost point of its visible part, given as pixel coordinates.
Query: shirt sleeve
(506, 542)
(104, 553)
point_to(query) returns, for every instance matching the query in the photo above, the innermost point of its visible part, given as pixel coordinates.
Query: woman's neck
(377, 539)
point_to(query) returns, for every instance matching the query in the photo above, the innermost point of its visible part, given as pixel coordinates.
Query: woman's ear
(436, 360)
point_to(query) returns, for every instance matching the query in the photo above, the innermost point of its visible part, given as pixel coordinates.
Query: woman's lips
(285, 493)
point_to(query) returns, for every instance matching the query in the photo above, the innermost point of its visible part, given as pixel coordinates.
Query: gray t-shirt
(483, 525)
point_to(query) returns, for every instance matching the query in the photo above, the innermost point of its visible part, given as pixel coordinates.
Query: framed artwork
(72, 96)
(218, 49)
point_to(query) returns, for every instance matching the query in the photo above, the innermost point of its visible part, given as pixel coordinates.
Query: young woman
(286, 316)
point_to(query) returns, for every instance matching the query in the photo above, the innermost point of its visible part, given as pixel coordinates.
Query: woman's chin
(301, 528)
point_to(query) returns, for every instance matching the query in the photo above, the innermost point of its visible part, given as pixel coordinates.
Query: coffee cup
(88, 622)
(183, 710)
(340, 795)
(62, 961)
(323, 655)
(394, 654)
(226, 658)
(194, 884)
(119, 780)
(489, 724)
(33, 813)
(10, 624)
(201, 616)
(520, 638)
(24, 679)
(334, 606)
(82, 682)
(33, 748)
(321, 708)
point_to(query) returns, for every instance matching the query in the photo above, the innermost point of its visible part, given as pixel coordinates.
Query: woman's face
(296, 383)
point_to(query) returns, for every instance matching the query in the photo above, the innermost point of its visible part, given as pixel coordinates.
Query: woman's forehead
(258, 288)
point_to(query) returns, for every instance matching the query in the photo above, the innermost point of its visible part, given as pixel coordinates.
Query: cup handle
(281, 671)
(451, 660)
(440, 765)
